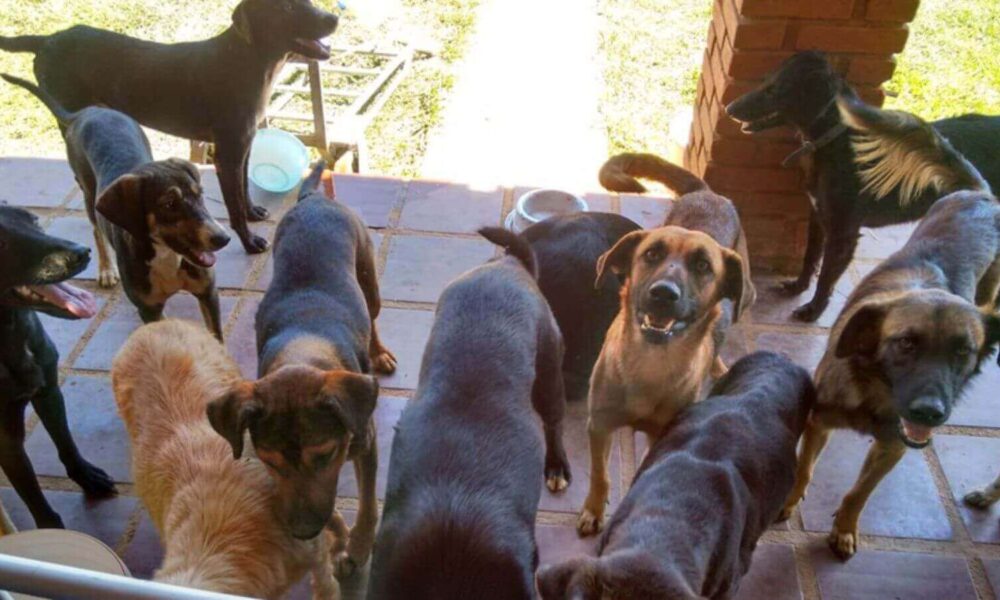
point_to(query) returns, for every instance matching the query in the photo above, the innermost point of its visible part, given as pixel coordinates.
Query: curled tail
(22, 43)
(514, 244)
(61, 114)
(619, 174)
(895, 149)
(312, 181)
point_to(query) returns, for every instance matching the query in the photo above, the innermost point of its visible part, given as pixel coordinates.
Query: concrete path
(525, 105)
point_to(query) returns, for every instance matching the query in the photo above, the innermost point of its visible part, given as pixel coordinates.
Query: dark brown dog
(311, 410)
(703, 496)
(467, 459)
(905, 346)
(214, 90)
(684, 285)
(148, 216)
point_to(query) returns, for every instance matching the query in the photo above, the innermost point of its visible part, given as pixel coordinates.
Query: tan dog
(682, 290)
(214, 514)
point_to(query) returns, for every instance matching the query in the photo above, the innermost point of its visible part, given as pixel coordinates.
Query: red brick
(751, 34)
(900, 11)
(872, 95)
(753, 65)
(735, 89)
(782, 204)
(871, 70)
(752, 179)
(750, 151)
(803, 9)
(861, 40)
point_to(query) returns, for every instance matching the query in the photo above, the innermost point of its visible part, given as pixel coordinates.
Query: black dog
(33, 269)
(566, 249)
(891, 173)
(214, 90)
(703, 496)
(151, 213)
(467, 457)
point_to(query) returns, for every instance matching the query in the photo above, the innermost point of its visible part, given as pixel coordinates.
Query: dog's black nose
(219, 240)
(665, 291)
(928, 410)
(330, 21)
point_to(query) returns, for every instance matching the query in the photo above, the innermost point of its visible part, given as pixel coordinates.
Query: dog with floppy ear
(684, 286)
(311, 410)
(906, 345)
(151, 227)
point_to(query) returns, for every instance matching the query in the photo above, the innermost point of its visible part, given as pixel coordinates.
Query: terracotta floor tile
(41, 182)
(970, 463)
(775, 308)
(557, 543)
(648, 211)
(405, 333)
(419, 267)
(772, 575)
(598, 202)
(241, 342)
(804, 349)
(449, 207)
(387, 413)
(978, 406)
(874, 575)
(124, 319)
(234, 265)
(104, 519)
(883, 242)
(373, 198)
(905, 504)
(96, 427)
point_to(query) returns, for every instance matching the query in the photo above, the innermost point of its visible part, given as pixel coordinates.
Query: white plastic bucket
(538, 205)
(277, 160)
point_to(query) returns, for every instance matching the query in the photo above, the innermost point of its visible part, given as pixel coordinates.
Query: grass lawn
(396, 139)
(652, 53)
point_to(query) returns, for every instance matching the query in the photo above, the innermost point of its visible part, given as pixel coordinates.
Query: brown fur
(214, 514)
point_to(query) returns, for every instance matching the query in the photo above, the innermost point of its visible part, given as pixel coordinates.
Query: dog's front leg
(324, 585)
(814, 439)
(592, 516)
(16, 466)
(362, 538)
(208, 302)
(985, 497)
(814, 250)
(230, 161)
(837, 254)
(882, 457)
(255, 212)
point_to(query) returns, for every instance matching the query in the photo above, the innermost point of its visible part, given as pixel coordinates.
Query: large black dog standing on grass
(33, 269)
(214, 90)
(869, 167)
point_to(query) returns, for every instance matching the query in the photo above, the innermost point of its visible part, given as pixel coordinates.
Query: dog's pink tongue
(77, 302)
(206, 259)
(917, 433)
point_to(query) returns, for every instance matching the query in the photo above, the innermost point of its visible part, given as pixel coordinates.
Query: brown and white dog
(685, 283)
(214, 514)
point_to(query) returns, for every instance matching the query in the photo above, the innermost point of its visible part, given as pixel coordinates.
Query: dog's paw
(257, 213)
(843, 543)
(808, 312)
(589, 523)
(344, 566)
(384, 362)
(557, 473)
(108, 277)
(94, 482)
(979, 499)
(556, 482)
(791, 287)
(254, 244)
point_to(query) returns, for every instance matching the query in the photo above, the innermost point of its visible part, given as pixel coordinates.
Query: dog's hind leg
(16, 466)
(985, 497)
(383, 361)
(814, 250)
(51, 409)
(814, 439)
(837, 255)
(882, 457)
(548, 396)
(362, 538)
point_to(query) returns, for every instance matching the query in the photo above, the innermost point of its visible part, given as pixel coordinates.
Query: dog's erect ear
(619, 259)
(352, 398)
(231, 414)
(241, 22)
(121, 203)
(862, 333)
(734, 280)
(311, 183)
(573, 579)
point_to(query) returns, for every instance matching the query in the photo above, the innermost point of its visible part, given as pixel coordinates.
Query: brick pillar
(748, 39)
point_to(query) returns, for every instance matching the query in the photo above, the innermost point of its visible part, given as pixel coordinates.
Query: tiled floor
(918, 541)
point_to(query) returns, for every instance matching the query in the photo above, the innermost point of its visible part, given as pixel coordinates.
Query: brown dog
(317, 344)
(905, 346)
(214, 514)
(684, 285)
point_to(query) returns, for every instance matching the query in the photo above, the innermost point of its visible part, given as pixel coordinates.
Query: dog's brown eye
(653, 255)
(963, 351)
(703, 266)
(322, 460)
(906, 344)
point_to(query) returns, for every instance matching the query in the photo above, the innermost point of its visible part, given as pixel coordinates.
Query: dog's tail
(22, 43)
(895, 149)
(619, 174)
(311, 183)
(514, 244)
(61, 114)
